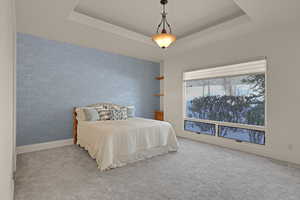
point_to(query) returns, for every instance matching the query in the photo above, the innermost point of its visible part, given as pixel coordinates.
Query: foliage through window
(242, 134)
(200, 127)
(224, 100)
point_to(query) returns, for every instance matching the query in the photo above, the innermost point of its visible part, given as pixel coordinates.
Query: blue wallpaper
(53, 77)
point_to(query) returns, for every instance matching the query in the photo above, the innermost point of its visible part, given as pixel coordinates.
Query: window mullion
(217, 130)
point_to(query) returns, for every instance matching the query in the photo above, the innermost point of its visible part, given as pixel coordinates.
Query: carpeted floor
(198, 171)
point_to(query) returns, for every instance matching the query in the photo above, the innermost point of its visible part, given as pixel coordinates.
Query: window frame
(230, 124)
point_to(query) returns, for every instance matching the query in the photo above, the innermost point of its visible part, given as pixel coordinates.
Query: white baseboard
(43, 146)
(272, 159)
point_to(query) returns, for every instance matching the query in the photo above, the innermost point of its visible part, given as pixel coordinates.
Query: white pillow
(81, 114)
(130, 111)
(91, 114)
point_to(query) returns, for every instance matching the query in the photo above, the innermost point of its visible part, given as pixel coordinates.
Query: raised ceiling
(142, 16)
(124, 27)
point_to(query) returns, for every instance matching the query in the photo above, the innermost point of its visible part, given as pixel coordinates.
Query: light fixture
(164, 39)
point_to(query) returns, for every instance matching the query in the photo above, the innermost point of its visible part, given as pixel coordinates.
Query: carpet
(196, 172)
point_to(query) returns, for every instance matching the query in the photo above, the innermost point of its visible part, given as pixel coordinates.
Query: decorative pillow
(91, 114)
(130, 111)
(81, 115)
(119, 114)
(104, 114)
(108, 106)
(115, 107)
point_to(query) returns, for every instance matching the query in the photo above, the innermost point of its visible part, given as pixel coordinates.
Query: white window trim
(230, 124)
(229, 70)
(252, 67)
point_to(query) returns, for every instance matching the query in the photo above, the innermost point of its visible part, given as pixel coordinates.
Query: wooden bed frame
(75, 121)
(75, 125)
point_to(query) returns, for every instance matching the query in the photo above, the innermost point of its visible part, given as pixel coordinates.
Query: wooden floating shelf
(158, 95)
(159, 115)
(159, 78)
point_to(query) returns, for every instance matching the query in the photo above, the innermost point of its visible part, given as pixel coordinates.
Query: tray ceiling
(124, 27)
(143, 16)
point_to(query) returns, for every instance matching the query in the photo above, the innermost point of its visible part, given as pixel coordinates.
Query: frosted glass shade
(164, 40)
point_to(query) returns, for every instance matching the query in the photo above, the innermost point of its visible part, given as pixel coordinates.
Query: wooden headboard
(75, 121)
(75, 125)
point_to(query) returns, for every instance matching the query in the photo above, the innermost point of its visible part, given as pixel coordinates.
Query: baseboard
(272, 159)
(43, 146)
(285, 163)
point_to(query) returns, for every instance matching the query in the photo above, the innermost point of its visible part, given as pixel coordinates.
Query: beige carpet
(198, 171)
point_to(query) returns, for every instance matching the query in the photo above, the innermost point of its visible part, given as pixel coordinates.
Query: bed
(115, 143)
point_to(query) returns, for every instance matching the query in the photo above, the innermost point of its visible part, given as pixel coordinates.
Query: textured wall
(53, 77)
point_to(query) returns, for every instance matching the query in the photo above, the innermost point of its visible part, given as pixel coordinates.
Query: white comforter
(116, 143)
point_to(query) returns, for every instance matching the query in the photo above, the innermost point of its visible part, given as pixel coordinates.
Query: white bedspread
(116, 143)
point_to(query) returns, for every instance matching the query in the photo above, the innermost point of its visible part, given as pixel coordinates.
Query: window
(200, 127)
(227, 102)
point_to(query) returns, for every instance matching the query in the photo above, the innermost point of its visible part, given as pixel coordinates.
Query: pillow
(130, 111)
(91, 114)
(105, 106)
(119, 114)
(104, 114)
(81, 116)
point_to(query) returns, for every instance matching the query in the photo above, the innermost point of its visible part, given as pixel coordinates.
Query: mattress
(114, 143)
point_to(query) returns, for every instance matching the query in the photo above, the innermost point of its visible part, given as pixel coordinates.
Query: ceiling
(143, 16)
(125, 27)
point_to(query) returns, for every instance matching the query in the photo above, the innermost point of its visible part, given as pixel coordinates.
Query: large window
(227, 102)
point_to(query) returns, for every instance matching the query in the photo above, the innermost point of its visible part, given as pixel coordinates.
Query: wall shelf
(159, 78)
(158, 114)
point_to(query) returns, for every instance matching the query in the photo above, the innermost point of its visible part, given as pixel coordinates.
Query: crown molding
(129, 34)
(108, 27)
(199, 37)
(216, 29)
(229, 28)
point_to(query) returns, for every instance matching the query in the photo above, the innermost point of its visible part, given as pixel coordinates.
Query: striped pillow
(104, 114)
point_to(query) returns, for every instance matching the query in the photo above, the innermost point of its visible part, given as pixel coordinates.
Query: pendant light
(164, 39)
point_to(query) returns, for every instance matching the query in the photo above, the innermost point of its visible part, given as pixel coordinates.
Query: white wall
(282, 48)
(6, 98)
